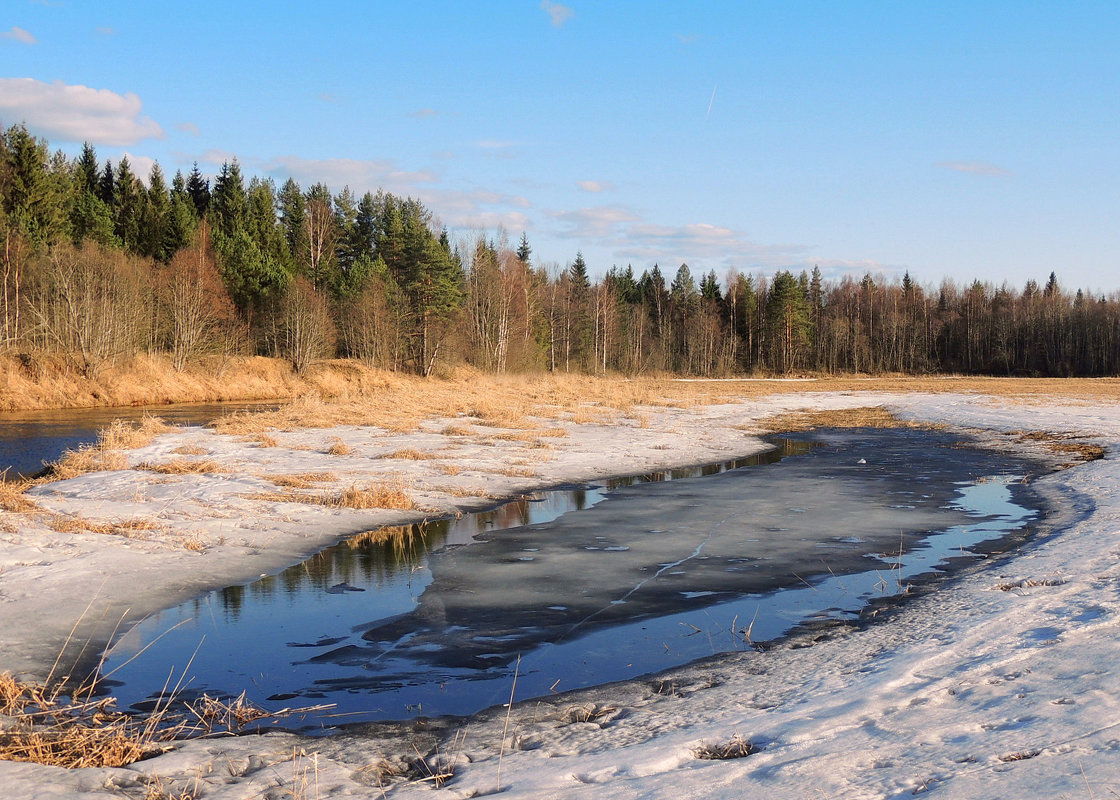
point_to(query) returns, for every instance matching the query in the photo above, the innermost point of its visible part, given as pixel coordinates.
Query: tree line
(98, 265)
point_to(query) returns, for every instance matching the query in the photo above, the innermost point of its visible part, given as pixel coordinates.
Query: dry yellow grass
(457, 430)
(191, 450)
(13, 497)
(301, 480)
(45, 727)
(449, 469)
(339, 448)
(181, 466)
(521, 402)
(373, 495)
(864, 417)
(408, 454)
(106, 453)
(514, 472)
(76, 523)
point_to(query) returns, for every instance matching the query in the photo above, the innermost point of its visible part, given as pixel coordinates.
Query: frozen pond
(578, 587)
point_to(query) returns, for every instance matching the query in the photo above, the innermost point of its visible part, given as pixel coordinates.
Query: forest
(99, 265)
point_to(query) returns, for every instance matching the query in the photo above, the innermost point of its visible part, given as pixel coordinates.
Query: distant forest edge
(97, 268)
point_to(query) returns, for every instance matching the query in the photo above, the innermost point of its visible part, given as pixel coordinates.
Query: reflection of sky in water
(29, 439)
(432, 621)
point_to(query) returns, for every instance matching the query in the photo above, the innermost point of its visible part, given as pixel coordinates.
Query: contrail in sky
(711, 101)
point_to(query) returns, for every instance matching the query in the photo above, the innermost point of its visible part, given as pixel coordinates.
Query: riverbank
(145, 537)
(40, 382)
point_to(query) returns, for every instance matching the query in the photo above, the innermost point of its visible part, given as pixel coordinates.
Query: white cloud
(423, 113)
(105, 30)
(488, 220)
(558, 12)
(593, 223)
(18, 34)
(595, 186)
(188, 127)
(141, 166)
(216, 156)
(975, 168)
(360, 175)
(76, 113)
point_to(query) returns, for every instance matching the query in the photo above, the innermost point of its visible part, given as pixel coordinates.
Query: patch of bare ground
(735, 747)
(868, 417)
(1065, 444)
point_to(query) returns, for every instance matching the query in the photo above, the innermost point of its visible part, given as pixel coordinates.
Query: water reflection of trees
(374, 557)
(371, 558)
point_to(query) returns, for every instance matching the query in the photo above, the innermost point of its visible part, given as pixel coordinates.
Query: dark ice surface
(582, 586)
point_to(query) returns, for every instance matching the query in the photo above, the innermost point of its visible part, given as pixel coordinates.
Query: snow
(1000, 683)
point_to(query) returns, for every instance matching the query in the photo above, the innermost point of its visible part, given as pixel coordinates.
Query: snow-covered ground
(1001, 683)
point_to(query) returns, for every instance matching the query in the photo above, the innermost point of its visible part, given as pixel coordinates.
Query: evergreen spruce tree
(523, 250)
(198, 188)
(155, 220)
(128, 206)
(107, 186)
(86, 172)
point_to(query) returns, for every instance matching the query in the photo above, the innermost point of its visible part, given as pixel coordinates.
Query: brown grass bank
(357, 393)
(48, 382)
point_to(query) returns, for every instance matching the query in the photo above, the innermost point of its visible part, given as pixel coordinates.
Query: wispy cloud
(595, 186)
(188, 127)
(687, 38)
(498, 148)
(75, 113)
(975, 168)
(328, 97)
(18, 34)
(217, 156)
(558, 12)
(423, 113)
(356, 173)
(599, 222)
(105, 30)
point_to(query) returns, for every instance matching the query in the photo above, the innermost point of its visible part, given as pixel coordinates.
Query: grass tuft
(408, 454)
(372, 496)
(182, 466)
(191, 450)
(736, 747)
(12, 497)
(301, 480)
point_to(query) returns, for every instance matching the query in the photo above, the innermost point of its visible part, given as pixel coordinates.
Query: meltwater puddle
(672, 567)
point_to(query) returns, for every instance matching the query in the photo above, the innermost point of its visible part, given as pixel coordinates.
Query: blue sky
(962, 140)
